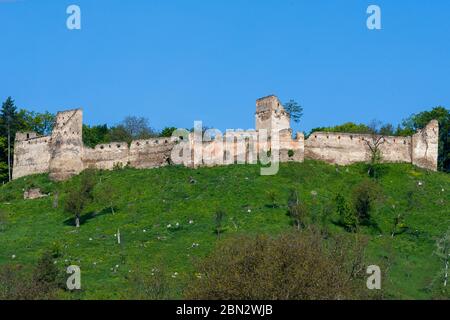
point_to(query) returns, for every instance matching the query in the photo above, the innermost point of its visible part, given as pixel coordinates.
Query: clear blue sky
(179, 61)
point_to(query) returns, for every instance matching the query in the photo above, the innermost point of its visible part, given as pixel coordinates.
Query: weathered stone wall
(425, 147)
(66, 145)
(106, 156)
(64, 155)
(270, 115)
(31, 155)
(345, 148)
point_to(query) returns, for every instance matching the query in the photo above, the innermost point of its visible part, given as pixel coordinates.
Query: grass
(147, 201)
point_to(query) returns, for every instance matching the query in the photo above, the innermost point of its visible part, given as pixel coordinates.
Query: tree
(348, 127)
(78, 198)
(108, 195)
(347, 216)
(387, 130)
(41, 123)
(364, 196)
(374, 144)
(9, 121)
(138, 127)
(297, 210)
(218, 222)
(3, 164)
(75, 203)
(294, 110)
(443, 252)
(94, 135)
(293, 266)
(442, 115)
(167, 132)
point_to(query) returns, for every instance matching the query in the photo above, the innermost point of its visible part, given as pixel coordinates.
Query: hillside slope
(148, 205)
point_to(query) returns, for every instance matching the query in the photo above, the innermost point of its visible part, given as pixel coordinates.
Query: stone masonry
(62, 154)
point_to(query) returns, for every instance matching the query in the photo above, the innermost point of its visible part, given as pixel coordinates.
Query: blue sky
(179, 61)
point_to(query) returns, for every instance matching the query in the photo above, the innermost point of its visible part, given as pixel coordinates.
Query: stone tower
(270, 115)
(66, 145)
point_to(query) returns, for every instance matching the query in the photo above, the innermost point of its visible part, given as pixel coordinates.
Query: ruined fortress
(63, 154)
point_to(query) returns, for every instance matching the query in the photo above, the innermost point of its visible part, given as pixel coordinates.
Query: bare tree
(374, 144)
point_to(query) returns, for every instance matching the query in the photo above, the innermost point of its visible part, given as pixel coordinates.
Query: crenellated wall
(346, 148)
(63, 154)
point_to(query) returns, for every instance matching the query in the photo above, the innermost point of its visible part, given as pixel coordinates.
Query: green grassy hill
(148, 201)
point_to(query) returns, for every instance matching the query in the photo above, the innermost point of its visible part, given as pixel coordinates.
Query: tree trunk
(9, 153)
(446, 273)
(55, 200)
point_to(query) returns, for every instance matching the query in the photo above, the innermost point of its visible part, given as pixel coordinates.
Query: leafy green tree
(347, 216)
(94, 135)
(420, 120)
(78, 198)
(294, 110)
(387, 130)
(9, 119)
(167, 131)
(348, 127)
(364, 196)
(41, 123)
(3, 163)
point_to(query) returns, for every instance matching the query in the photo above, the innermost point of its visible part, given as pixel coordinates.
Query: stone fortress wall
(63, 154)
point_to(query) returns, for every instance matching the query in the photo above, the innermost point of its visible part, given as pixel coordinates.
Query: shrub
(40, 283)
(364, 196)
(297, 210)
(272, 195)
(3, 220)
(218, 222)
(152, 285)
(290, 153)
(347, 216)
(293, 266)
(77, 199)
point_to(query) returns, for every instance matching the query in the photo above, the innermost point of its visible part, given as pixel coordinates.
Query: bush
(77, 199)
(152, 285)
(290, 153)
(294, 266)
(3, 220)
(297, 210)
(41, 283)
(347, 216)
(364, 196)
(218, 222)
(272, 195)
